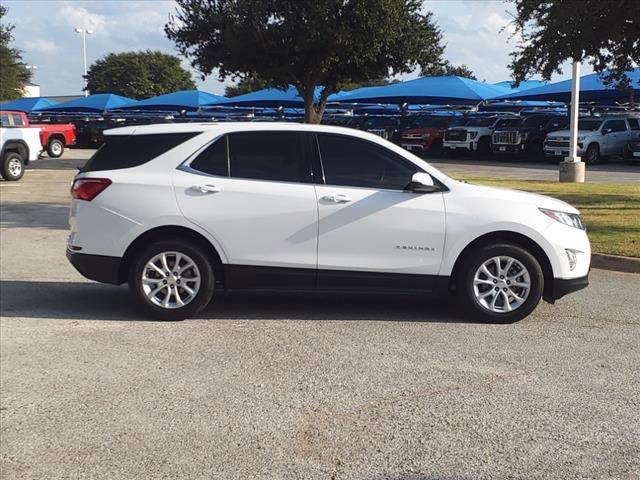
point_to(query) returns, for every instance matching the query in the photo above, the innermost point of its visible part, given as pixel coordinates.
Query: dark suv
(527, 137)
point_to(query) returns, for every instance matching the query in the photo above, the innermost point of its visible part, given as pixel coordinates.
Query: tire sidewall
(596, 156)
(207, 282)
(6, 173)
(481, 255)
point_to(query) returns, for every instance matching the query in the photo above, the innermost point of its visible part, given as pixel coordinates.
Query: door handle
(205, 188)
(340, 198)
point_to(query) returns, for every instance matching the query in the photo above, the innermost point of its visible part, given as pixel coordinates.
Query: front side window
(271, 156)
(615, 125)
(354, 162)
(213, 160)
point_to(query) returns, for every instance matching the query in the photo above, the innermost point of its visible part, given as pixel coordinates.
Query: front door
(373, 234)
(252, 192)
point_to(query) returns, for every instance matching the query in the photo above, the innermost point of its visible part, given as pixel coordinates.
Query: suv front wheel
(172, 280)
(501, 283)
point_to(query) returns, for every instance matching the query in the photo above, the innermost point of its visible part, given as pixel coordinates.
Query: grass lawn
(610, 210)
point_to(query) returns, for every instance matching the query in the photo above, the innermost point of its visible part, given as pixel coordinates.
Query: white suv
(181, 211)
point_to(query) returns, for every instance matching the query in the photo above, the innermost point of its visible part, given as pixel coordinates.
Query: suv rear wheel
(172, 279)
(501, 283)
(12, 167)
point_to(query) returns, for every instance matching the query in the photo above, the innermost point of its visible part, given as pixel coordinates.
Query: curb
(615, 263)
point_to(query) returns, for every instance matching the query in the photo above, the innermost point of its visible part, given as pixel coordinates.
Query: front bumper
(453, 145)
(96, 267)
(507, 148)
(565, 286)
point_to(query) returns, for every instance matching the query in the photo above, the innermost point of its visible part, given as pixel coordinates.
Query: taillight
(88, 188)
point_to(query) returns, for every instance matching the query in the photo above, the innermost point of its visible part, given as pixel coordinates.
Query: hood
(519, 196)
(422, 130)
(566, 133)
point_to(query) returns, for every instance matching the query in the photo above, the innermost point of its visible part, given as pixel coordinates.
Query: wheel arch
(510, 237)
(17, 146)
(57, 136)
(173, 232)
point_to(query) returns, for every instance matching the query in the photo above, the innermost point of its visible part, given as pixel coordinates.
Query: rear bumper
(565, 286)
(96, 267)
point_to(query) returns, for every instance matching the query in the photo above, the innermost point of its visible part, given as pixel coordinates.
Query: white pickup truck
(598, 137)
(19, 146)
(475, 135)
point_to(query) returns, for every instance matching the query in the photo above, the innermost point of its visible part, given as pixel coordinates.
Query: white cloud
(80, 17)
(40, 46)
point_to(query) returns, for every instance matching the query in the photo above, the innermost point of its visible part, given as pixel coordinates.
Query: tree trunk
(313, 111)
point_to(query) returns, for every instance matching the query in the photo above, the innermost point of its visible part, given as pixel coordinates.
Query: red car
(426, 133)
(54, 137)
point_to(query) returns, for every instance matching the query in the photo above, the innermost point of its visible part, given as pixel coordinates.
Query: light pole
(84, 33)
(572, 169)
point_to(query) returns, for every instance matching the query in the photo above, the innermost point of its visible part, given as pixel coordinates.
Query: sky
(477, 33)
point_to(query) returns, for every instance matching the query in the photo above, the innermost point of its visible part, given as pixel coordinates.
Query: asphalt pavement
(300, 386)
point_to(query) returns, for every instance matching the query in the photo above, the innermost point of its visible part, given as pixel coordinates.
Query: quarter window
(272, 156)
(358, 163)
(213, 159)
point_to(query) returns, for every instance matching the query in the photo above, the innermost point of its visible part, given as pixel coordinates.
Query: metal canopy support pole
(572, 169)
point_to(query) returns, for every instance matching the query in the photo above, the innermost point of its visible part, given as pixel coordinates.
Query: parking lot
(304, 386)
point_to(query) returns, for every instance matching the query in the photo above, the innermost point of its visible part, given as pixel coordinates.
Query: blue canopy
(93, 103)
(524, 85)
(592, 89)
(270, 97)
(176, 101)
(28, 104)
(431, 90)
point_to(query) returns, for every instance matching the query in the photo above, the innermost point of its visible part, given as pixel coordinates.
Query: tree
(251, 83)
(607, 33)
(447, 69)
(138, 74)
(306, 43)
(13, 71)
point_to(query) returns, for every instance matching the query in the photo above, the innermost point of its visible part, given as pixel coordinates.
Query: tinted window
(481, 122)
(358, 163)
(213, 159)
(556, 123)
(588, 124)
(634, 124)
(126, 151)
(507, 122)
(17, 120)
(615, 125)
(534, 121)
(5, 119)
(273, 156)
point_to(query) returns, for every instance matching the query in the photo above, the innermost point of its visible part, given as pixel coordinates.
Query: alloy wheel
(171, 280)
(501, 284)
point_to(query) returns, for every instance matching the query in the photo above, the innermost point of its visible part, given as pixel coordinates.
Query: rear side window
(126, 151)
(5, 120)
(271, 156)
(634, 124)
(17, 120)
(615, 125)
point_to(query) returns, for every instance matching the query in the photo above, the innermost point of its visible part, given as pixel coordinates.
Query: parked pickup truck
(598, 137)
(18, 147)
(632, 151)
(54, 137)
(426, 133)
(527, 137)
(475, 136)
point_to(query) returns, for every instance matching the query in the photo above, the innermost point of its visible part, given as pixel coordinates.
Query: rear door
(372, 232)
(252, 192)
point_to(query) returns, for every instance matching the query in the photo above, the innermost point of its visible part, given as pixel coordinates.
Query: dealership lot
(299, 386)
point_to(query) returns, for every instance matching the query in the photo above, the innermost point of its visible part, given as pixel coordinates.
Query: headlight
(581, 138)
(473, 134)
(570, 219)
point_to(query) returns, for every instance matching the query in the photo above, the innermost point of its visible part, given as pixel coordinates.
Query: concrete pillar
(572, 169)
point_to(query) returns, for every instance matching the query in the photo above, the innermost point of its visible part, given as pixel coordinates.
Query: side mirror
(606, 131)
(422, 183)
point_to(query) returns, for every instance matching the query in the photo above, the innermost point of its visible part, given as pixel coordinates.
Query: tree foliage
(248, 84)
(138, 74)
(606, 33)
(447, 69)
(306, 42)
(13, 71)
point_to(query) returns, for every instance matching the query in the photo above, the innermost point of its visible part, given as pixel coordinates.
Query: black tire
(55, 148)
(592, 156)
(473, 261)
(436, 148)
(203, 295)
(535, 151)
(484, 147)
(12, 168)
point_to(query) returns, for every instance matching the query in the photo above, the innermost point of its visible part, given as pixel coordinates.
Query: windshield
(373, 122)
(481, 122)
(589, 124)
(507, 122)
(535, 121)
